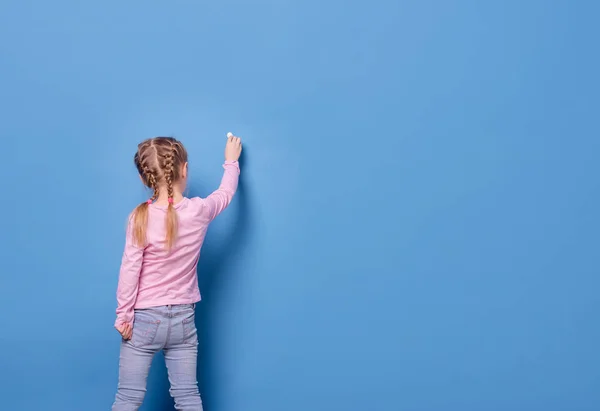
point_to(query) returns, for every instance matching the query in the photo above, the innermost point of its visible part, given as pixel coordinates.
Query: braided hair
(159, 161)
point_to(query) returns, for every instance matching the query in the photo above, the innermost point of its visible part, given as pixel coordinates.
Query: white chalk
(229, 135)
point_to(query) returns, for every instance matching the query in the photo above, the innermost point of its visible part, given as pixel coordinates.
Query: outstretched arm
(218, 200)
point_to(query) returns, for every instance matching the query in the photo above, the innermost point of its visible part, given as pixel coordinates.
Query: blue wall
(417, 225)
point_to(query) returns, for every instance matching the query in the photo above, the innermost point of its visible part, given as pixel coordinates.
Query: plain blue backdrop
(417, 223)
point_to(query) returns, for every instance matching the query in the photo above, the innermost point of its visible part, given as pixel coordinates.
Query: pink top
(151, 276)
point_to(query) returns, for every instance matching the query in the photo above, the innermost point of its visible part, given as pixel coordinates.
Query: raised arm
(129, 276)
(218, 200)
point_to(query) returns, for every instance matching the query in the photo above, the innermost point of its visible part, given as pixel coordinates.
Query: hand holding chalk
(233, 148)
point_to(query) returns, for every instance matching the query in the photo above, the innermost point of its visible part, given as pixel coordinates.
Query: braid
(169, 169)
(150, 179)
(140, 218)
(169, 175)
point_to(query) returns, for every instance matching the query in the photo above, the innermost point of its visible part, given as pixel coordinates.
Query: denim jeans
(172, 330)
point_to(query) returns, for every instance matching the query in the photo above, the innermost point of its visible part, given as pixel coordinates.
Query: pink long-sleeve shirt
(151, 276)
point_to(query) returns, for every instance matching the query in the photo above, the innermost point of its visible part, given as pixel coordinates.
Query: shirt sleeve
(218, 200)
(129, 276)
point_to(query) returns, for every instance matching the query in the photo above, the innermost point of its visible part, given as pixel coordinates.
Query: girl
(158, 284)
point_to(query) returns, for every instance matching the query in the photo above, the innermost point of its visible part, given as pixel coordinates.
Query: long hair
(159, 161)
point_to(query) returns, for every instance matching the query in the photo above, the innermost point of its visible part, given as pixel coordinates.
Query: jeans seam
(168, 335)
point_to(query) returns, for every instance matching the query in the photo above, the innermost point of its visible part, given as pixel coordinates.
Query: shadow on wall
(212, 270)
(216, 253)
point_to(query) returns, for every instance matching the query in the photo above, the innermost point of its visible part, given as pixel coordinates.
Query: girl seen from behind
(158, 283)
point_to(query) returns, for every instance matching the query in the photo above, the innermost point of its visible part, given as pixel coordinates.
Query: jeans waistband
(169, 307)
(180, 306)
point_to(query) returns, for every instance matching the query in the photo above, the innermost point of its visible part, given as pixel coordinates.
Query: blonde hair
(159, 161)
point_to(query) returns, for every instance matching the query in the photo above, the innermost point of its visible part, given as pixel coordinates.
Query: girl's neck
(163, 197)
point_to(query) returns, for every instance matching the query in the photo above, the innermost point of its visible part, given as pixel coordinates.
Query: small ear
(184, 170)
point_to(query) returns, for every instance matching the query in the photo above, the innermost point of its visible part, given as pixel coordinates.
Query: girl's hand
(125, 330)
(233, 148)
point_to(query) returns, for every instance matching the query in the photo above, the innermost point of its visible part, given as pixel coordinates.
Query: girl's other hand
(125, 330)
(233, 148)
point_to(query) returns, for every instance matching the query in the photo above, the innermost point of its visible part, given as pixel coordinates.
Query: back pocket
(190, 334)
(144, 329)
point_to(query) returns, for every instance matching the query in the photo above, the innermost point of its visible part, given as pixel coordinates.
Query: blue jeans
(172, 330)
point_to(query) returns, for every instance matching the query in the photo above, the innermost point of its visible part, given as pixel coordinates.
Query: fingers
(126, 330)
(231, 138)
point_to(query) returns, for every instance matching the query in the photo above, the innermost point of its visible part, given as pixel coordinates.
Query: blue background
(417, 223)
